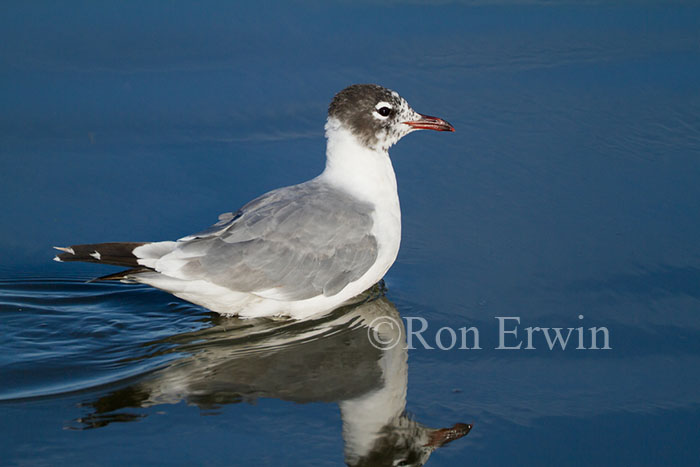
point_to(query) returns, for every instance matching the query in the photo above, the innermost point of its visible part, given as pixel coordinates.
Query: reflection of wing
(331, 359)
(293, 243)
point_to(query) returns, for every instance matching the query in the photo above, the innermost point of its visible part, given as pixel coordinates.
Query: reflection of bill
(326, 360)
(384, 332)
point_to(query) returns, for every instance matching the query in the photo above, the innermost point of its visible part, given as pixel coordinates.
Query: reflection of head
(326, 360)
(407, 442)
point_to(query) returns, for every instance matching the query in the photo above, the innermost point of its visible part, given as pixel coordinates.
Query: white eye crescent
(382, 110)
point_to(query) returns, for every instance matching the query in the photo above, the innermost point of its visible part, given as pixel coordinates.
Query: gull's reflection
(355, 356)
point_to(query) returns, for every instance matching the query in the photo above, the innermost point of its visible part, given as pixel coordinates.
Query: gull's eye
(384, 111)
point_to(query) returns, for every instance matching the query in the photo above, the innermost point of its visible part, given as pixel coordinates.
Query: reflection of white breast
(365, 416)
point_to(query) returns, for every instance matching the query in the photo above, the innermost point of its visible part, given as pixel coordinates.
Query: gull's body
(299, 250)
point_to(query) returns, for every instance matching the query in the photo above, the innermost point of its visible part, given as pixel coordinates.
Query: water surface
(569, 189)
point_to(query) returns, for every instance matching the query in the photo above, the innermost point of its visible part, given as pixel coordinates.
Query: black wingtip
(116, 253)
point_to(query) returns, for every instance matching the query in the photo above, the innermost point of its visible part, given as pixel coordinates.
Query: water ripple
(64, 335)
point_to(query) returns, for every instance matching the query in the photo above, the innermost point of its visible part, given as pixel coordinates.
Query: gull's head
(378, 117)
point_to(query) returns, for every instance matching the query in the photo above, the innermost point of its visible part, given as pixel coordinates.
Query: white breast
(369, 176)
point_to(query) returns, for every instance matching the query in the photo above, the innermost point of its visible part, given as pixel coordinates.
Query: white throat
(363, 172)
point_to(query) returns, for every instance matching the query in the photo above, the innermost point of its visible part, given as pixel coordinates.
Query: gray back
(301, 241)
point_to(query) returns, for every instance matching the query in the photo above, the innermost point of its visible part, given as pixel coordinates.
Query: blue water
(567, 197)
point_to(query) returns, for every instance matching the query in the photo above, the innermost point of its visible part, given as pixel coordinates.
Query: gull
(296, 251)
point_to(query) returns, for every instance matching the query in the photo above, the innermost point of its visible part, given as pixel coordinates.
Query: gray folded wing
(293, 243)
